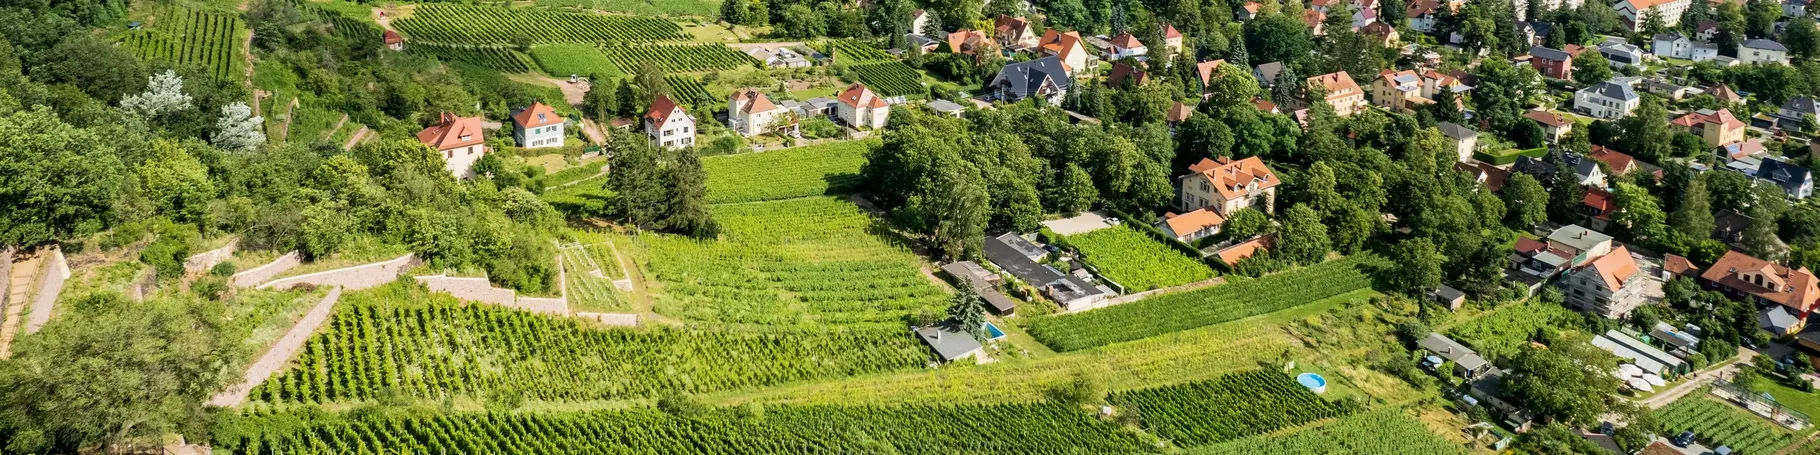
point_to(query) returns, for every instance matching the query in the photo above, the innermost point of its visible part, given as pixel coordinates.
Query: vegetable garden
(1376, 433)
(889, 78)
(1718, 423)
(184, 36)
(471, 24)
(1230, 407)
(1137, 261)
(404, 340)
(783, 174)
(850, 51)
(1186, 310)
(689, 58)
(500, 59)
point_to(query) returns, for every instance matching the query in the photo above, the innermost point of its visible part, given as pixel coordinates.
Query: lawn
(1804, 402)
(1135, 260)
(814, 170)
(1508, 156)
(586, 60)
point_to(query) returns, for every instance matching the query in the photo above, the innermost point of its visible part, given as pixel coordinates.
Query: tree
(1694, 218)
(1232, 85)
(651, 83)
(238, 130)
(1565, 196)
(55, 180)
(629, 104)
(968, 313)
(1591, 68)
(1418, 266)
(1278, 38)
(163, 95)
(1569, 381)
(1802, 38)
(638, 180)
(1069, 14)
(735, 11)
(1760, 18)
(688, 207)
(1525, 201)
(1638, 212)
(801, 21)
(1303, 238)
(1073, 191)
(601, 103)
(1646, 133)
(1246, 223)
(1503, 93)
(176, 183)
(959, 204)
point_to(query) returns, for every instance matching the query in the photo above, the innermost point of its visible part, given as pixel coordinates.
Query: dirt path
(246, 53)
(338, 125)
(355, 139)
(593, 132)
(18, 296)
(284, 130)
(572, 93)
(641, 302)
(280, 353)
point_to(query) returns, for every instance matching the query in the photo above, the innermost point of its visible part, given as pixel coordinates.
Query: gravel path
(281, 352)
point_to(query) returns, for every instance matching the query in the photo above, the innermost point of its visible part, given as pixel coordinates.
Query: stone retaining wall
(352, 278)
(253, 276)
(473, 289)
(208, 259)
(56, 270)
(614, 319)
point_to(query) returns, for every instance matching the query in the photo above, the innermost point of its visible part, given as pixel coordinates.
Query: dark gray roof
(1802, 104)
(978, 278)
(1542, 170)
(1456, 131)
(1788, 176)
(1761, 43)
(1613, 90)
(1671, 36)
(1549, 53)
(1453, 351)
(1007, 251)
(949, 341)
(1449, 294)
(1022, 79)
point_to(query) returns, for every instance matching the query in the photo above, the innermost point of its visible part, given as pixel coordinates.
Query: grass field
(563, 59)
(1388, 432)
(684, 58)
(1719, 423)
(1137, 261)
(783, 174)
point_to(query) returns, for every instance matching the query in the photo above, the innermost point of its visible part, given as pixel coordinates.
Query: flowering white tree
(163, 94)
(238, 129)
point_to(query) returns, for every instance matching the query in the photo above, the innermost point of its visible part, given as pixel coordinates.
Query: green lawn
(1804, 402)
(814, 170)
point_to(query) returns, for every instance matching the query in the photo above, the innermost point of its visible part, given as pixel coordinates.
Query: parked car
(1686, 438)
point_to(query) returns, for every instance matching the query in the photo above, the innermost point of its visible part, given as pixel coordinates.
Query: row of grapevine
(687, 58)
(472, 24)
(1718, 423)
(402, 339)
(689, 90)
(500, 59)
(1186, 310)
(889, 78)
(1230, 407)
(350, 29)
(1137, 261)
(184, 36)
(1388, 432)
(790, 173)
(1034, 429)
(850, 51)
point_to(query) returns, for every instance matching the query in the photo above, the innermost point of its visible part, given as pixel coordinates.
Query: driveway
(1079, 224)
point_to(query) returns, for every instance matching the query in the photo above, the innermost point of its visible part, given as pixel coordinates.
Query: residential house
(951, 343)
(1598, 205)
(1172, 39)
(1266, 73)
(1752, 150)
(1623, 54)
(668, 125)
(458, 140)
(1178, 113)
(393, 40)
(1706, 30)
(1620, 163)
(1205, 71)
(1634, 11)
(1532, 262)
(1609, 286)
(860, 108)
(781, 58)
(970, 42)
(1794, 8)
(1714, 127)
(1248, 11)
(1729, 226)
(1670, 90)
(1046, 78)
(1579, 244)
(1194, 225)
(1123, 73)
(1316, 22)
(1762, 51)
(1542, 171)
(1634, 351)
(1553, 63)
(1725, 95)
(947, 108)
(1019, 257)
(1381, 33)
(1586, 170)
(1435, 82)
(983, 282)
(1672, 45)
(1492, 177)
(1794, 180)
(1460, 139)
(1227, 185)
(1364, 12)
(537, 126)
(1399, 91)
(1126, 46)
(1231, 255)
(1068, 48)
(1766, 283)
(1340, 92)
(919, 21)
(1797, 109)
(1607, 100)
(1704, 51)
(1014, 33)
(1424, 14)
(1554, 125)
(1442, 350)
(751, 113)
(1780, 320)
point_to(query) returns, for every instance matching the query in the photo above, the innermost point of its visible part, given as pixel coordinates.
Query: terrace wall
(253, 276)
(208, 259)
(351, 278)
(56, 271)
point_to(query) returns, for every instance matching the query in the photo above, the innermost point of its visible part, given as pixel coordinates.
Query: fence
(1761, 404)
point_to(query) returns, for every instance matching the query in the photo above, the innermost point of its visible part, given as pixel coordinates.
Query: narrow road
(280, 353)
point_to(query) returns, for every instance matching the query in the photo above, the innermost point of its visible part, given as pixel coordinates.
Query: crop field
(470, 24)
(1387, 432)
(592, 267)
(814, 261)
(494, 58)
(1186, 310)
(889, 78)
(681, 58)
(356, 32)
(1719, 423)
(1231, 407)
(784, 174)
(1137, 261)
(689, 90)
(401, 339)
(184, 36)
(1508, 328)
(930, 429)
(702, 8)
(585, 60)
(850, 51)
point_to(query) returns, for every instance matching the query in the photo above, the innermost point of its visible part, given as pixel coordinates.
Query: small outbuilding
(1448, 296)
(1466, 363)
(949, 341)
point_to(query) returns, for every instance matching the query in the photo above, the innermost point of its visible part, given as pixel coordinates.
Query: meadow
(813, 170)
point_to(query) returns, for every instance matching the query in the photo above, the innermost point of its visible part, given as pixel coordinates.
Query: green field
(188, 37)
(585, 60)
(889, 78)
(1137, 261)
(501, 59)
(688, 58)
(472, 24)
(1507, 328)
(1168, 313)
(784, 174)
(1719, 423)
(592, 267)
(1387, 432)
(1231, 407)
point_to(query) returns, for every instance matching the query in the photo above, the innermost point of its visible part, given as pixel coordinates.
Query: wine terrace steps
(19, 285)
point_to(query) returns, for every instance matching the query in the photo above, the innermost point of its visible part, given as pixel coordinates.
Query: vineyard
(689, 90)
(592, 267)
(404, 340)
(1508, 328)
(1186, 310)
(1718, 423)
(1137, 261)
(813, 261)
(936, 429)
(357, 33)
(185, 37)
(678, 58)
(494, 58)
(1230, 407)
(470, 24)
(1376, 433)
(783, 174)
(850, 51)
(562, 60)
(889, 78)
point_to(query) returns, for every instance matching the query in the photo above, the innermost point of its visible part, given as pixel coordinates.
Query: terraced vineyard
(783, 174)
(1387, 432)
(689, 90)
(184, 36)
(815, 261)
(592, 267)
(471, 24)
(1185, 310)
(1718, 423)
(850, 51)
(1230, 407)
(494, 58)
(678, 58)
(402, 339)
(357, 33)
(1137, 261)
(889, 78)
(585, 60)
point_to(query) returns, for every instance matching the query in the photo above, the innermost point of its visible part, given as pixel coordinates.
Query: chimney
(448, 117)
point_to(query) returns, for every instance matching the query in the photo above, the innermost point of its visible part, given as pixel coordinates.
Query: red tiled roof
(1121, 72)
(660, 110)
(1233, 254)
(1676, 264)
(1264, 105)
(1169, 32)
(1795, 288)
(1600, 200)
(1192, 221)
(1126, 41)
(452, 133)
(857, 94)
(1615, 267)
(392, 37)
(760, 102)
(1230, 177)
(1549, 118)
(1205, 70)
(1059, 44)
(1619, 162)
(1179, 113)
(539, 114)
(1337, 85)
(1529, 246)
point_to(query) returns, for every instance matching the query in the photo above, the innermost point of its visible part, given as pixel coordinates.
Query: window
(1205, 186)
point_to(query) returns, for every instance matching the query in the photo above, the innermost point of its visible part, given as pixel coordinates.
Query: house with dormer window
(458, 140)
(1226, 185)
(538, 126)
(1767, 283)
(1609, 286)
(1341, 92)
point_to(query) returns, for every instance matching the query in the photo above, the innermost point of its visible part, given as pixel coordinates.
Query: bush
(821, 128)
(223, 269)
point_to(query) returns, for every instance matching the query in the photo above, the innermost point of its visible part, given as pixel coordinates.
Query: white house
(1607, 100)
(458, 140)
(668, 125)
(860, 108)
(1460, 139)
(538, 126)
(1672, 45)
(918, 20)
(1634, 11)
(1762, 51)
(1622, 54)
(1126, 46)
(752, 113)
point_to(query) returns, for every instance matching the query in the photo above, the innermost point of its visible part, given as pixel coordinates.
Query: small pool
(993, 333)
(1314, 382)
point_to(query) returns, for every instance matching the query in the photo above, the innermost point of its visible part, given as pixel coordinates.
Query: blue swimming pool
(993, 333)
(1314, 382)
